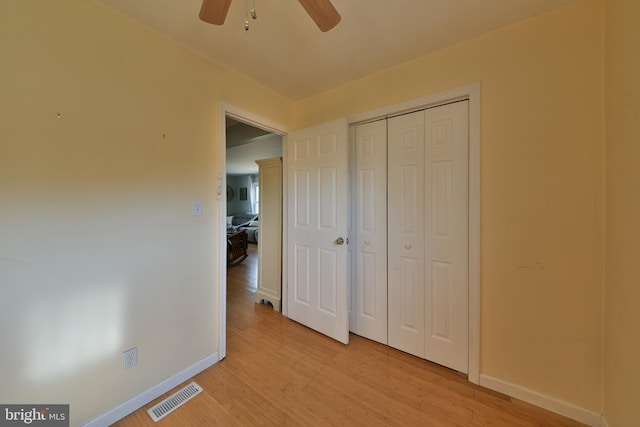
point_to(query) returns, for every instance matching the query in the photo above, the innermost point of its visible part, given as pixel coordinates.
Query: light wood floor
(278, 372)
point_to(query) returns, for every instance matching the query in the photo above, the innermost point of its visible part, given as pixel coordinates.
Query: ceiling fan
(321, 11)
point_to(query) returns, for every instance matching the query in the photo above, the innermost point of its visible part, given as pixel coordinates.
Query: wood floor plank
(280, 373)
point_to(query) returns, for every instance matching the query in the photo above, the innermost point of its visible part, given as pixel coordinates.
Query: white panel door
(317, 222)
(446, 235)
(370, 194)
(406, 233)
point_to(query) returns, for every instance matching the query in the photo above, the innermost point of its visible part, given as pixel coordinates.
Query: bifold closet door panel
(406, 238)
(371, 231)
(446, 235)
(427, 233)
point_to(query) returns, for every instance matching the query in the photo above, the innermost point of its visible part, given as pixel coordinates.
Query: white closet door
(406, 244)
(370, 174)
(428, 234)
(446, 235)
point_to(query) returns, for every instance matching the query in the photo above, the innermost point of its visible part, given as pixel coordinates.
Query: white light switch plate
(196, 208)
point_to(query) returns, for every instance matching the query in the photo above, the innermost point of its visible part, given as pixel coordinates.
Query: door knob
(339, 241)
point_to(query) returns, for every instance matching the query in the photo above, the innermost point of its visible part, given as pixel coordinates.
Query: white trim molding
(251, 119)
(544, 401)
(137, 402)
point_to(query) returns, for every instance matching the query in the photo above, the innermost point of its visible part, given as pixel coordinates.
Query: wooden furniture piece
(236, 247)
(270, 241)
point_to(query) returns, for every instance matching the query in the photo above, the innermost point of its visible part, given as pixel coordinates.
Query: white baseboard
(549, 403)
(137, 402)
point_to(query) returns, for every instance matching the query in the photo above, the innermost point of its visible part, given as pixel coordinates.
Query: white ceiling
(285, 51)
(246, 144)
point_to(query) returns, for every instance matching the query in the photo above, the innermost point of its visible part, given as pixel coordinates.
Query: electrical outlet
(130, 358)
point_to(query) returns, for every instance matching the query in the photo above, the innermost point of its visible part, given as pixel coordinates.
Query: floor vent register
(174, 401)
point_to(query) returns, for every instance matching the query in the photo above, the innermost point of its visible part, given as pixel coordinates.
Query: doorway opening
(247, 138)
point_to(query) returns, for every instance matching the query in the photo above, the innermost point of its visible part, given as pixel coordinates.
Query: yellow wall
(622, 295)
(99, 251)
(98, 248)
(542, 191)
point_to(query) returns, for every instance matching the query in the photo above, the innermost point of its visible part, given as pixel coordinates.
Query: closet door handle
(407, 245)
(339, 241)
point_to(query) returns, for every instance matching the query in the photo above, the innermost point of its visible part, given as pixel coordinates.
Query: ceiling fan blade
(214, 11)
(322, 12)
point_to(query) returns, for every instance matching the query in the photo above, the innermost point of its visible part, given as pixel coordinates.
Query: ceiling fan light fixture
(323, 13)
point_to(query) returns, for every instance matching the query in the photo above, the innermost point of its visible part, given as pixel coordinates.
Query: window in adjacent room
(256, 192)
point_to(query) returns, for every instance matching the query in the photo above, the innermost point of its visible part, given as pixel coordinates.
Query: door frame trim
(262, 123)
(470, 92)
